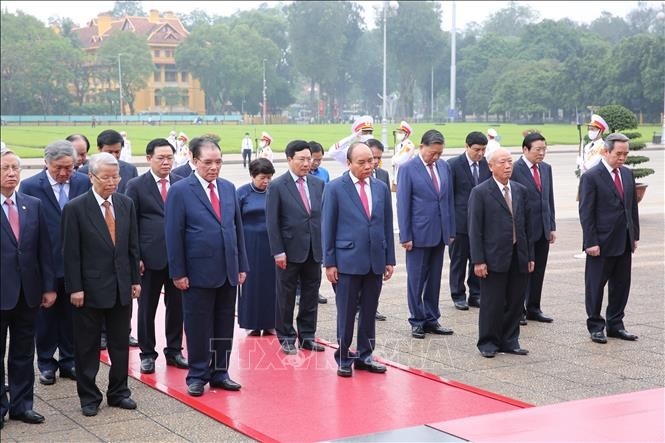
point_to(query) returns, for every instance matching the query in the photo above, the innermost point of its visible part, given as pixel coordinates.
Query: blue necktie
(62, 197)
(475, 173)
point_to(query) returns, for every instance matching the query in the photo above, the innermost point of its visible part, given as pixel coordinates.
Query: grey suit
(382, 174)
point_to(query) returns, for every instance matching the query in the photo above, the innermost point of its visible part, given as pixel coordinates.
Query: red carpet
(301, 398)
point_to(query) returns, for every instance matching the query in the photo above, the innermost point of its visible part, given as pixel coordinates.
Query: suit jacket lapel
(424, 172)
(7, 227)
(293, 189)
(609, 180)
(153, 189)
(48, 190)
(197, 189)
(95, 215)
(494, 191)
(467, 169)
(350, 189)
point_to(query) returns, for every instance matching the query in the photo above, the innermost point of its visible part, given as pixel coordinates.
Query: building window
(184, 76)
(158, 76)
(157, 53)
(170, 73)
(158, 97)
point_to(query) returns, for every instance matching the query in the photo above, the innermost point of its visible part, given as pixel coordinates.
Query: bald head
(360, 160)
(501, 165)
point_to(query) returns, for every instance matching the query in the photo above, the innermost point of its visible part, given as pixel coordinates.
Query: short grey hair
(613, 138)
(103, 158)
(7, 151)
(498, 151)
(59, 149)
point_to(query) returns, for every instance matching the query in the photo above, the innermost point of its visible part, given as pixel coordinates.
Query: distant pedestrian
(246, 149)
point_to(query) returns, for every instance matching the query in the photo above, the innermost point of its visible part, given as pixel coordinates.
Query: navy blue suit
(460, 255)
(211, 254)
(183, 170)
(27, 272)
(360, 248)
(54, 325)
(428, 220)
(127, 171)
(613, 224)
(541, 204)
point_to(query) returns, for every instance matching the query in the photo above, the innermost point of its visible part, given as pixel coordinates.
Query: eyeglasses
(539, 150)
(114, 179)
(6, 168)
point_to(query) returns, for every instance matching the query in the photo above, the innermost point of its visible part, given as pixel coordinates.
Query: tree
(172, 96)
(609, 27)
(510, 21)
(131, 8)
(196, 17)
(135, 63)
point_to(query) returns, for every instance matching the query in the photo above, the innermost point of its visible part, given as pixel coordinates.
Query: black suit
(541, 204)
(463, 182)
(127, 171)
(612, 223)
(297, 233)
(105, 273)
(145, 192)
(382, 174)
(490, 224)
(183, 171)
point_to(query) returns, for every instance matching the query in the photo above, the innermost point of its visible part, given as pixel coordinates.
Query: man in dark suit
(611, 230)
(467, 171)
(426, 216)
(187, 169)
(101, 253)
(502, 254)
(27, 282)
(536, 176)
(359, 252)
(149, 191)
(293, 214)
(55, 186)
(205, 245)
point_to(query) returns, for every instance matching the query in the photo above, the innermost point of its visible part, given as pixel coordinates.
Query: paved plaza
(563, 363)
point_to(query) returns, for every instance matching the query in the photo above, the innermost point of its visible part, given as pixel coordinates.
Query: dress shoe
(177, 360)
(417, 332)
(379, 316)
(344, 372)
(227, 385)
(475, 302)
(598, 337)
(89, 410)
(523, 321)
(30, 417)
(195, 389)
(125, 403)
(268, 332)
(373, 366)
(488, 354)
(103, 343)
(68, 373)
(461, 305)
(437, 329)
(289, 348)
(47, 377)
(254, 333)
(147, 366)
(516, 351)
(539, 316)
(133, 342)
(322, 299)
(623, 335)
(311, 345)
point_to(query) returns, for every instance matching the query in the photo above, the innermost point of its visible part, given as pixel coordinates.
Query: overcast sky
(467, 11)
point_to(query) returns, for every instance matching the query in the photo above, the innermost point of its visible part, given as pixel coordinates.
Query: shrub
(618, 117)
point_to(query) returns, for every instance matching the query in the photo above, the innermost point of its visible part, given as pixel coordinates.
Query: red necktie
(303, 195)
(617, 183)
(434, 180)
(13, 217)
(363, 198)
(163, 183)
(215, 201)
(536, 177)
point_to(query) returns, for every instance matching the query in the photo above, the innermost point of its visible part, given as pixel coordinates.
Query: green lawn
(29, 141)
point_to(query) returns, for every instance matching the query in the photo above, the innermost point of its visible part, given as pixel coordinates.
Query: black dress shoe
(177, 360)
(461, 305)
(344, 372)
(539, 316)
(133, 342)
(289, 348)
(125, 403)
(311, 345)
(268, 332)
(523, 321)
(379, 316)
(147, 366)
(227, 385)
(47, 377)
(195, 389)
(417, 332)
(488, 354)
(516, 351)
(475, 302)
(598, 337)
(373, 366)
(254, 333)
(90, 410)
(437, 329)
(68, 373)
(103, 343)
(623, 335)
(322, 299)
(30, 417)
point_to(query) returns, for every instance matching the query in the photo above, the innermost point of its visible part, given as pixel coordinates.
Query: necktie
(108, 218)
(474, 168)
(162, 181)
(509, 202)
(301, 189)
(62, 196)
(617, 183)
(536, 177)
(363, 198)
(12, 215)
(434, 180)
(214, 200)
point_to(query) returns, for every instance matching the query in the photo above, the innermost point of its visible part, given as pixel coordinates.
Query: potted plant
(619, 118)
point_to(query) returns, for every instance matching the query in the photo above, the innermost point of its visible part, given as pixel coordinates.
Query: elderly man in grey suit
(293, 213)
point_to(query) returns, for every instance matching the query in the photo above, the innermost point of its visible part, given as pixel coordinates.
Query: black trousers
(20, 323)
(501, 308)
(309, 275)
(55, 331)
(87, 330)
(151, 288)
(534, 286)
(614, 272)
(460, 267)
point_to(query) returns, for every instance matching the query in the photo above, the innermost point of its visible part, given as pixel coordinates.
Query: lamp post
(265, 97)
(453, 32)
(120, 84)
(384, 121)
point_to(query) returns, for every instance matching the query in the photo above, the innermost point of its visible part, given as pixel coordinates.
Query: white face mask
(263, 144)
(365, 137)
(400, 136)
(593, 134)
